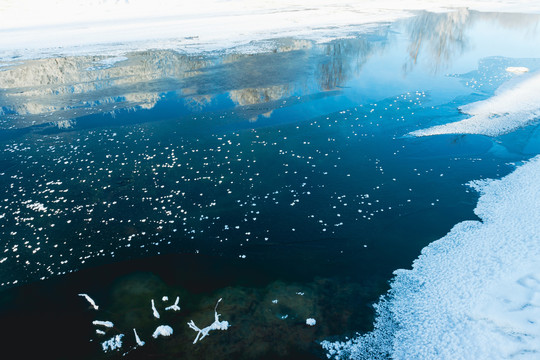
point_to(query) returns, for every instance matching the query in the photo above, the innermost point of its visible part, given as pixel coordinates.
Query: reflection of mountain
(74, 86)
(60, 90)
(442, 37)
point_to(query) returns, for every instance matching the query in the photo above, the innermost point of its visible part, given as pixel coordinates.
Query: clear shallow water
(247, 177)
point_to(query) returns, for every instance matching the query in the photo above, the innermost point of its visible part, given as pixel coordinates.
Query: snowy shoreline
(35, 29)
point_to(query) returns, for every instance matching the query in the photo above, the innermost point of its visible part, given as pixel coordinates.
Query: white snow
(154, 310)
(311, 322)
(216, 325)
(103, 323)
(90, 300)
(475, 293)
(514, 105)
(36, 28)
(113, 343)
(163, 330)
(137, 339)
(174, 306)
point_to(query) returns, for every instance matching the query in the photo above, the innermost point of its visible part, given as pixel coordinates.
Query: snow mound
(475, 293)
(514, 105)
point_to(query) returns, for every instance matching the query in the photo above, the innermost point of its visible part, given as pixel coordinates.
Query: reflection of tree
(442, 36)
(343, 59)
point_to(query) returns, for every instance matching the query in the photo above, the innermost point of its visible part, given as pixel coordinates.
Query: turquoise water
(247, 177)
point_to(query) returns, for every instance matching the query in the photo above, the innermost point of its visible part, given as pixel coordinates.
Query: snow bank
(64, 26)
(475, 293)
(514, 105)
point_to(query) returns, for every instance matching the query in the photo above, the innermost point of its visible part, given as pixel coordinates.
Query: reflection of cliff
(60, 90)
(442, 37)
(75, 86)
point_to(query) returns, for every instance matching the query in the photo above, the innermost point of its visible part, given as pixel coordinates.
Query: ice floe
(154, 310)
(514, 105)
(174, 306)
(137, 339)
(311, 322)
(90, 300)
(103, 323)
(113, 343)
(473, 294)
(216, 325)
(162, 330)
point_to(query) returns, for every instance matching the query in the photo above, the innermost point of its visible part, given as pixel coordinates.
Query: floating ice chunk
(100, 332)
(103, 323)
(163, 330)
(175, 306)
(518, 70)
(514, 105)
(275, 301)
(113, 343)
(216, 325)
(311, 322)
(90, 300)
(137, 339)
(165, 298)
(154, 310)
(475, 293)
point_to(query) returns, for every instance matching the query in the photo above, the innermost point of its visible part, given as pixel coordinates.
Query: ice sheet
(34, 28)
(475, 293)
(514, 105)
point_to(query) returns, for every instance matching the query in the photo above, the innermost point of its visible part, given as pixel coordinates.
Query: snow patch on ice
(37, 28)
(515, 104)
(475, 293)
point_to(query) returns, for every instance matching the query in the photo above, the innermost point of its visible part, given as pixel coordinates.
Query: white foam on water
(473, 294)
(37, 28)
(515, 104)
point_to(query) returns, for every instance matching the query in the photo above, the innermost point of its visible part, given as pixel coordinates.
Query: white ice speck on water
(162, 330)
(113, 343)
(518, 70)
(174, 306)
(216, 325)
(275, 301)
(90, 300)
(103, 323)
(137, 339)
(311, 322)
(100, 332)
(154, 310)
(165, 298)
(515, 104)
(475, 293)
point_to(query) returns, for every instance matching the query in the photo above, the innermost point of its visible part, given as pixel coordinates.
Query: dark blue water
(250, 178)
